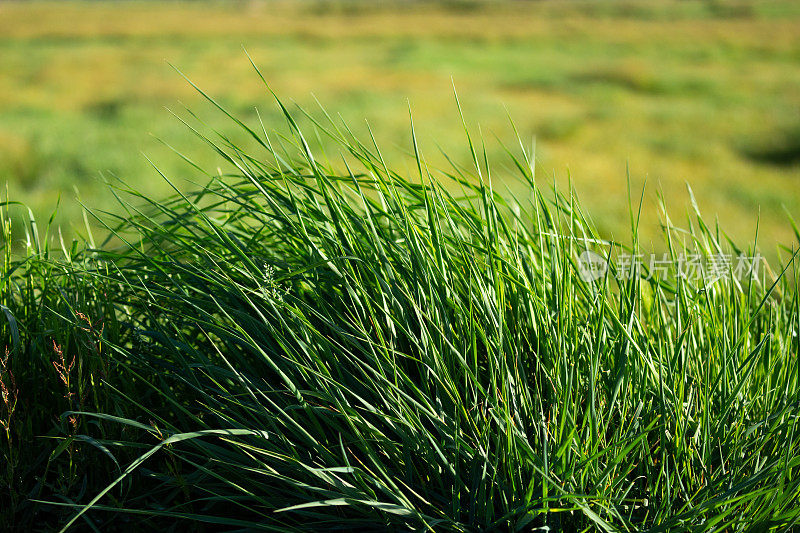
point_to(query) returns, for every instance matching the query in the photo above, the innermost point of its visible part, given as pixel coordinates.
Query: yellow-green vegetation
(700, 92)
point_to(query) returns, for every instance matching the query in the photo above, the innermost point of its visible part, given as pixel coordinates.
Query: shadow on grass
(781, 149)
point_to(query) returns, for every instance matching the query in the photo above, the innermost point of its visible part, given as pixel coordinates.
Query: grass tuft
(305, 345)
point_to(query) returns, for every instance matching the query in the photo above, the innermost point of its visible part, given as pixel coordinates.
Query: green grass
(675, 91)
(292, 347)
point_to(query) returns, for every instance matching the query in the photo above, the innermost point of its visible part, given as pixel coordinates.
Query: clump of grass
(53, 318)
(299, 345)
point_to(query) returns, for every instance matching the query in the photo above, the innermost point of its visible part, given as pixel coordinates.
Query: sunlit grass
(294, 347)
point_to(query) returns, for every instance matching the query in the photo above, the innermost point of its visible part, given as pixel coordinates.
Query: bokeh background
(666, 92)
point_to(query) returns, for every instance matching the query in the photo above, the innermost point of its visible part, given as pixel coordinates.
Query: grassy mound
(297, 347)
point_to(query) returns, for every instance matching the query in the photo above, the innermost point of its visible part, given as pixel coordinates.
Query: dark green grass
(296, 348)
(705, 91)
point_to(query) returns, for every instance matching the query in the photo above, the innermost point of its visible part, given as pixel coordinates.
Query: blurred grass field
(705, 93)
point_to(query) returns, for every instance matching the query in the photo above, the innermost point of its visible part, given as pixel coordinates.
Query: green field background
(670, 93)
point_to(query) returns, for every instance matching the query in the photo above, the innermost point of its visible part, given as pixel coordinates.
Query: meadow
(287, 320)
(668, 93)
(289, 347)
